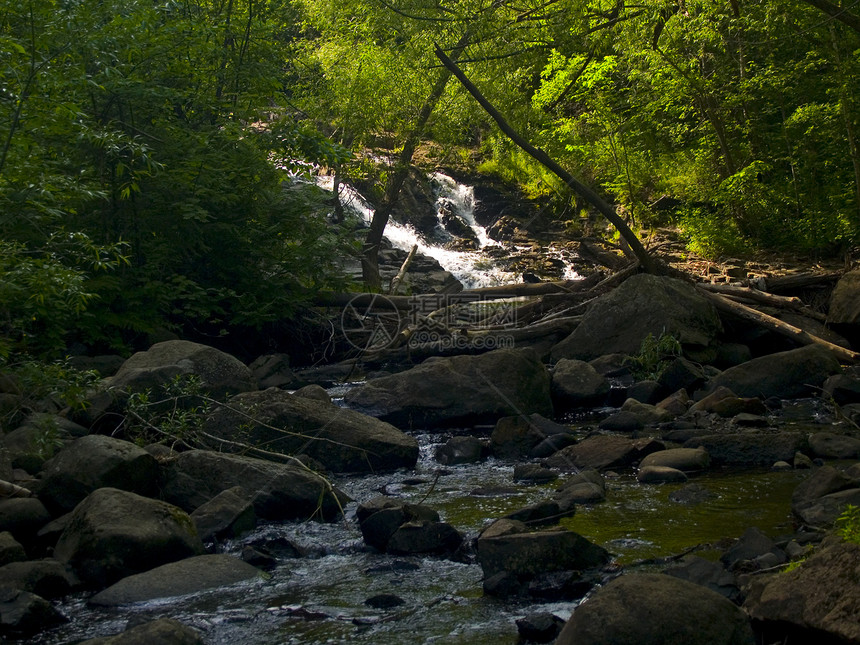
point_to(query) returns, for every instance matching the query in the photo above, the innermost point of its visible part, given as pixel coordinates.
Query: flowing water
(473, 269)
(320, 598)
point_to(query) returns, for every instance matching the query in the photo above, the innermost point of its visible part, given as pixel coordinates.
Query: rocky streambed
(537, 492)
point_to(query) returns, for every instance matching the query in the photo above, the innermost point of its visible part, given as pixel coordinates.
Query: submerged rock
(446, 391)
(651, 608)
(163, 631)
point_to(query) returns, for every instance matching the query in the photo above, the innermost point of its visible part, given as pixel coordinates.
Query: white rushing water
(472, 268)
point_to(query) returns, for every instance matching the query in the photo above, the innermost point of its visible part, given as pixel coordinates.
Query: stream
(319, 598)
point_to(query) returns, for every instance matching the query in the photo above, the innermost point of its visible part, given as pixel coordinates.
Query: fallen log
(763, 297)
(799, 336)
(789, 282)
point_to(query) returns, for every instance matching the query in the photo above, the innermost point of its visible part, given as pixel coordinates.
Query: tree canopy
(144, 146)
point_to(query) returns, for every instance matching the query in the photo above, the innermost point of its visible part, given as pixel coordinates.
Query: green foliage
(173, 414)
(848, 524)
(654, 355)
(161, 135)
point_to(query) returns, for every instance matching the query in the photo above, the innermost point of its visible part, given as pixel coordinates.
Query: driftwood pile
(419, 326)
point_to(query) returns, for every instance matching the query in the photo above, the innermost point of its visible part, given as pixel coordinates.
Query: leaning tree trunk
(370, 255)
(606, 209)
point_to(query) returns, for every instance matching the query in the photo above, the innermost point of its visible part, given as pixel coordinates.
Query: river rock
(114, 533)
(844, 389)
(92, 462)
(646, 413)
(24, 614)
(834, 446)
(462, 450)
(190, 575)
(845, 300)
(622, 421)
(543, 627)
(817, 602)
(163, 631)
(280, 491)
(342, 440)
(23, 517)
(602, 452)
(227, 515)
(652, 608)
(785, 375)
(685, 459)
(534, 473)
(749, 448)
(543, 513)
(647, 391)
(691, 494)
(273, 370)
(220, 374)
(10, 549)
(459, 389)
(577, 384)
(644, 304)
(47, 578)
(675, 404)
(706, 573)
(581, 493)
(751, 545)
(660, 475)
(513, 549)
(521, 436)
(392, 525)
(681, 373)
(725, 403)
(820, 498)
(31, 444)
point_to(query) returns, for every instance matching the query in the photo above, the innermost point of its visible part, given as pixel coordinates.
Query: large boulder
(643, 304)
(655, 609)
(342, 440)
(92, 462)
(113, 534)
(509, 546)
(280, 491)
(190, 575)
(602, 452)
(458, 389)
(794, 373)
(23, 517)
(817, 602)
(47, 578)
(845, 300)
(220, 374)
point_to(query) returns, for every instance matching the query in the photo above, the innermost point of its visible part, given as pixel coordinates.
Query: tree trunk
(370, 255)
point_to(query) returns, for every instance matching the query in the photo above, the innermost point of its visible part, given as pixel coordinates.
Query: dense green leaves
(161, 132)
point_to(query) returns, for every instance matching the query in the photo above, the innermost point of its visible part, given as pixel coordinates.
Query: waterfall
(473, 268)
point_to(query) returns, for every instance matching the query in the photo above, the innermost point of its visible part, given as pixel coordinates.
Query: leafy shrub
(848, 524)
(654, 355)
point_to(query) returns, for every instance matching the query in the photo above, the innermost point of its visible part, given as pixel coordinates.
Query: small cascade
(460, 245)
(471, 268)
